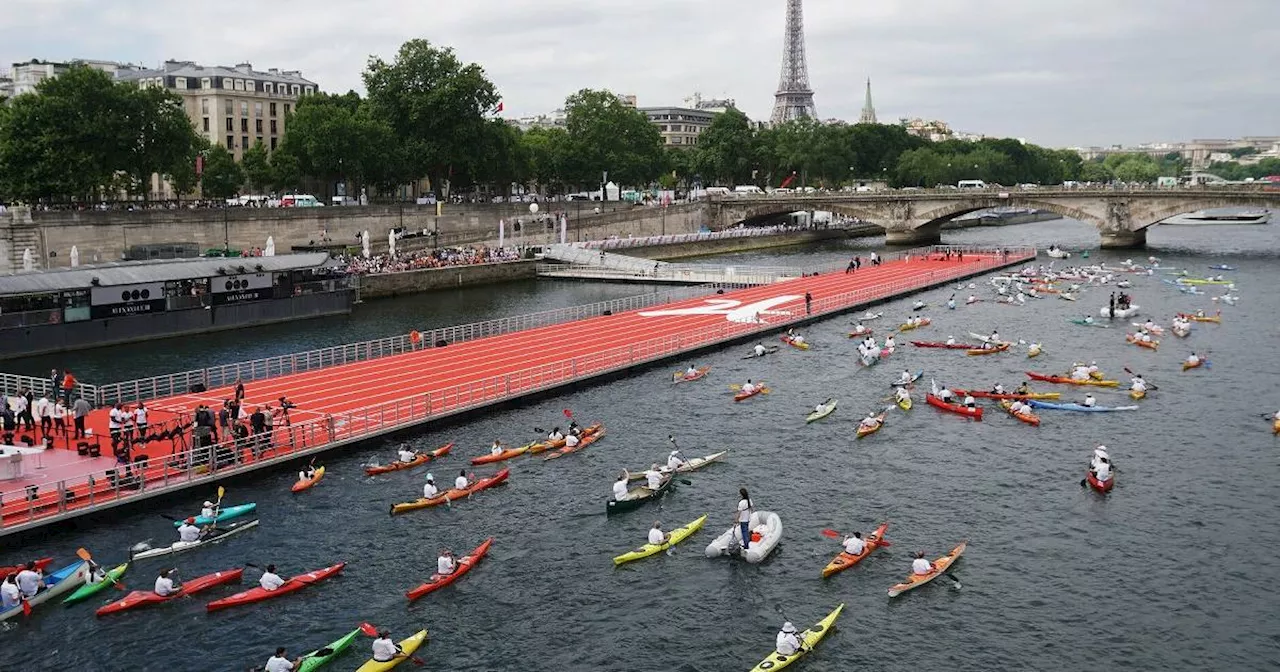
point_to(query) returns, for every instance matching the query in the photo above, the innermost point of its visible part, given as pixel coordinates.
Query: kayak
(940, 567)
(1137, 394)
(864, 430)
(418, 461)
(765, 528)
(1089, 324)
(1068, 381)
(939, 344)
(1275, 427)
(914, 377)
(908, 327)
(142, 598)
(223, 514)
(504, 455)
(767, 351)
(1080, 408)
(319, 657)
(1189, 365)
(218, 534)
(905, 403)
(1222, 267)
(1025, 416)
(1100, 486)
(691, 464)
(844, 560)
(978, 394)
(1202, 318)
(1033, 351)
(1181, 333)
(407, 646)
(306, 483)
(989, 351)
(58, 583)
(438, 581)
(638, 496)
(685, 377)
(677, 535)
(855, 333)
(1150, 345)
(41, 565)
(451, 494)
(90, 589)
(822, 411)
(559, 443)
(975, 412)
(789, 341)
(808, 639)
(871, 316)
(291, 585)
(1204, 281)
(742, 395)
(582, 443)
(1123, 313)
(1156, 330)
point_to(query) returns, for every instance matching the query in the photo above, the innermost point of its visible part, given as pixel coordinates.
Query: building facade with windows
(234, 107)
(679, 126)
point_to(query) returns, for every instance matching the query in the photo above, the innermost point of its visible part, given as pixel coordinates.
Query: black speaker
(607, 312)
(198, 387)
(441, 343)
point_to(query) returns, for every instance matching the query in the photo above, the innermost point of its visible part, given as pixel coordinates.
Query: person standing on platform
(22, 409)
(140, 422)
(808, 303)
(81, 410)
(43, 410)
(59, 411)
(8, 422)
(68, 385)
(239, 391)
(55, 383)
(258, 425)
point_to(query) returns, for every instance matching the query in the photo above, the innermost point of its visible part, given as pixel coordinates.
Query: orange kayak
(582, 443)
(547, 445)
(988, 351)
(1189, 365)
(1275, 427)
(759, 390)
(940, 567)
(1150, 345)
(306, 483)
(421, 459)
(846, 560)
(863, 430)
(1025, 416)
(504, 455)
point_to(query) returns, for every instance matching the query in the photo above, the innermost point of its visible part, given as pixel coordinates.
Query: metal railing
(25, 508)
(11, 383)
(677, 238)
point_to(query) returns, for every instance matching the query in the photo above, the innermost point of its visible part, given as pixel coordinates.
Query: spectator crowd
(433, 258)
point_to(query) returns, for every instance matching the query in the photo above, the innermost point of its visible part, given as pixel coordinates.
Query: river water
(1173, 570)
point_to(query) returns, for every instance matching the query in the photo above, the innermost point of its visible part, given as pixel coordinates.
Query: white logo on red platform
(734, 311)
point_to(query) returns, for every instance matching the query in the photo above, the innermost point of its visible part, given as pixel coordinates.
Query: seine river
(1172, 570)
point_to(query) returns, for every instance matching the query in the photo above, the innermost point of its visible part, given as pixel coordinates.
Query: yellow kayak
(677, 535)
(905, 403)
(809, 639)
(1137, 394)
(408, 646)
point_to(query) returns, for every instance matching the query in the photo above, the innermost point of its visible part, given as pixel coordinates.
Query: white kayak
(766, 523)
(180, 546)
(1125, 313)
(691, 464)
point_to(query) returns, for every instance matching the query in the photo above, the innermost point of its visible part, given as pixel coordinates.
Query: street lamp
(533, 210)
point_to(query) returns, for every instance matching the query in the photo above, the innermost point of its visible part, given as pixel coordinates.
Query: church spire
(868, 110)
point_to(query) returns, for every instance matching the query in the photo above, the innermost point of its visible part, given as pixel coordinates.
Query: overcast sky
(1084, 72)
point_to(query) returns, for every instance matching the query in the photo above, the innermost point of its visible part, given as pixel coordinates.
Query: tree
(222, 176)
(286, 170)
(607, 136)
(337, 138)
(726, 150)
(1095, 171)
(547, 151)
(435, 105)
(182, 177)
(162, 136)
(256, 164)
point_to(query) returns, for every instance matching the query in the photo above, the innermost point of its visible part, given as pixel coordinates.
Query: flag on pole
(500, 108)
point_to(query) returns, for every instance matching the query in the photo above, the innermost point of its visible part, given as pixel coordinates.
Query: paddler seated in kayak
(571, 440)
(901, 394)
(445, 564)
(889, 343)
(870, 421)
(1018, 408)
(384, 649)
(1137, 384)
(654, 477)
(461, 483)
(1088, 319)
(917, 305)
(575, 429)
(496, 448)
(405, 454)
(1145, 337)
(97, 574)
(675, 460)
(691, 371)
(994, 339)
(787, 642)
(188, 532)
(760, 350)
(854, 545)
(749, 388)
(1022, 388)
(307, 474)
(951, 340)
(1102, 470)
(656, 536)
(1099, 454)
(1199, 313)
(209, 510)
(971, 299)
(1094, 371)
(620, 491)
(921, 565)
(969, 401)
(280, 662)
(1149, 325)
(1080, 373)
(30, 580)
(1193, 359)
(944, 394)
(951, 302)
(858, 328)
(905, 377)
(429, 488)
(997, 389)
(270, 580)
(10, 595)
(555, 434)
(164, 583)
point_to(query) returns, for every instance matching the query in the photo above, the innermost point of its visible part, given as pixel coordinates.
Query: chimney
(274, 71)
(246, 68)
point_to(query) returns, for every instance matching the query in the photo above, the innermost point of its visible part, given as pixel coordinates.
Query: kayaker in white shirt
(749, 388)
(889, 343)
(10, 594)
(656, 536)
(951, 302)
(997, 389)
(445, 564)
(209, 510)
(994, 339)
(496, 448)
(945, 394)
(654, 477)
(971, 299)
(1102, 471)
(951, 340)
(406, 454)
(385, 650)
(969, 401)
(675, 460)
(743, 517)
(571, 440)
(921, 565)
(904, 377)
(270, 580)
(759, 350)
(620, 491)
(797, 339)
(460, 483)
(787, 642)
(1088, 319)
(870, 421)
(691, 371)
(854, 545)
(429, 488)
(555, 434)
(1146, 337)
(188, 532)
(1080, 373)
(1089, 401)
(1099, 454)
(307, 474)
(1137, 384)
(29, 580)
(1193, 359)
(164, 583)
(858, 328)
(917, 305)
(1016, 407)
(901, 394)
(280, 662)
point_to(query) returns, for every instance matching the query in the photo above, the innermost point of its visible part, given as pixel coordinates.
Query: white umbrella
(75, 256)
(391, 243)
(502, 233)
(271, 247)
(364, 243)
(28, 260)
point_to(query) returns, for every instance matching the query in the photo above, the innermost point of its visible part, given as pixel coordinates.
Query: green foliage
(336, 137)
(222, 175)
(1095, 171)
(606, 136)
(256, 164)
(1230, 170)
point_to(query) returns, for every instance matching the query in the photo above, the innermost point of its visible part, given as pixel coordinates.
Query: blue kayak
(225, 514)
(58, 583)
(1035, 403)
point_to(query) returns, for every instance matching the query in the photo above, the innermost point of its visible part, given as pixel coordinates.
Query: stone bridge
(916, 217)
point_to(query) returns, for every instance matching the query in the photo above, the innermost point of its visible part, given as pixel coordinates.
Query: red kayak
(421, 459)
(143, 598)
(292, 585)
(438, 581)
(41, 564)
(937, 344)
(1100, 486)
(975, 412)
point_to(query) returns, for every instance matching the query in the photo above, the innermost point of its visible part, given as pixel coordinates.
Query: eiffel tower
(794, 99)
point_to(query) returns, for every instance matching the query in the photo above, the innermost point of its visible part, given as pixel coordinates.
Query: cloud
(1085, 72)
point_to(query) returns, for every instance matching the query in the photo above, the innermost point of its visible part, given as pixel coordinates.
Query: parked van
(747, 189)
(971, 184)
(717, 191)
(300, 201)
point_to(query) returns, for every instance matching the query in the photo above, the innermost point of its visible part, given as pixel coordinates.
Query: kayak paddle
(372, 631)
(84, 555)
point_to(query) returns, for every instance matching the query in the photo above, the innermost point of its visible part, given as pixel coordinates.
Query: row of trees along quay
(83, 137)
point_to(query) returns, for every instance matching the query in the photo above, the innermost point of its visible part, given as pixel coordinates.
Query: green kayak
(90, 589)
(821, 411)
(315, 659)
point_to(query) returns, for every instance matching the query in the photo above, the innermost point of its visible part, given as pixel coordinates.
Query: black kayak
(638, 496)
